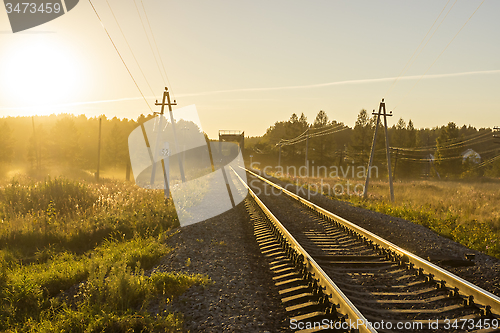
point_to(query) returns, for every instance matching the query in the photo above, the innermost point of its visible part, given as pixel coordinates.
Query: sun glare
(37, 74)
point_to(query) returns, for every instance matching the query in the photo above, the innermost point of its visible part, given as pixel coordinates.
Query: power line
(485, 163)
(157, 49)
(123, 61)
(403, 71)
(149, 41)
(301, 138)
(296, 138)
(305, 138)
(420, 78)
(130, 48)
(321, 130)
(448, 157)
(450, 146)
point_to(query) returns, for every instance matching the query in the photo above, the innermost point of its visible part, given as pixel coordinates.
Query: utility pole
(36, 144)
(279, 155)
(341, 158)
(432, 165)
(372, 153)
(395, 163)
(165, 102)
(98, 151)
(166, 95)
(307, 147)
(497, 130)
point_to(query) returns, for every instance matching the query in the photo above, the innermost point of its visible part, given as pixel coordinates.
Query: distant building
(472, 156)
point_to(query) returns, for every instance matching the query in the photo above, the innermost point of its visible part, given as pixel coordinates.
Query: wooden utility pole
(279, 155)
(307, 147)
(341, 158)
(395, 163)
(127, 170)
(35, 142)
(381, 112)
(166, 96)
(98, 151)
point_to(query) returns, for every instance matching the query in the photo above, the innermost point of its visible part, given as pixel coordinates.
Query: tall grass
(38, 218)
(462, 211)
(73, 254)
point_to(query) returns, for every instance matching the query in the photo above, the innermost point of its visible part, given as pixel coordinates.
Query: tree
(411, 135)
(399, 137)
(37, 148)
(293, 129)
(362, 137)
(320, 143)
(448, 159)
(6, 143)
(64, 143)
(115, 147)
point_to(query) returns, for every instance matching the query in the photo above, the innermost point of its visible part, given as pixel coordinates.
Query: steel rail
(456, 284)
(330, 288)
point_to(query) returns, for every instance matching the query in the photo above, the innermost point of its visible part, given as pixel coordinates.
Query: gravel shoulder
(412, 237)
(242, 297)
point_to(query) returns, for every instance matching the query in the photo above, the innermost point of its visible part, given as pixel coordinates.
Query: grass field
(73, 255)
(463, 211)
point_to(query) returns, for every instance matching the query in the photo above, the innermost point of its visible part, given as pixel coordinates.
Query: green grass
(39, 218)
(73, 254)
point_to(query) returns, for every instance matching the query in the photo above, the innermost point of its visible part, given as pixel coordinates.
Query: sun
(38, 73)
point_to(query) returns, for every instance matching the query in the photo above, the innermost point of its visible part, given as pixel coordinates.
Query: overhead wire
(149, 42)
(447, 157)
(408, 65)
(440, 23)
(453, 140)
(117, 51)
(450, 146)
(305, 138)
(300, 138)
(157, 49)
(323, 129)
(296, 138)
(129, 47)
(420, 78)
(487, 162)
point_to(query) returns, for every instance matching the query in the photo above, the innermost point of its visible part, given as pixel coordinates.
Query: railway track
(334, 275)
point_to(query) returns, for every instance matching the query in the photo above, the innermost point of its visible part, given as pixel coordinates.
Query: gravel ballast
(242, 297)
(412, 237)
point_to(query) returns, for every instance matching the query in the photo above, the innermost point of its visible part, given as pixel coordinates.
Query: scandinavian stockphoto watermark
(463, 324)
(312, 180)
(354, 325)
(27, 14)
(171, 153)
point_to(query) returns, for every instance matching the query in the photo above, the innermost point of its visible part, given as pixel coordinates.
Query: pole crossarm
(495, 136)
(166, 102)
(166, 95)
(381, 113)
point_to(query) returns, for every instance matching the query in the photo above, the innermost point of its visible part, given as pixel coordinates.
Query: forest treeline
(66, 141)
(448, 151)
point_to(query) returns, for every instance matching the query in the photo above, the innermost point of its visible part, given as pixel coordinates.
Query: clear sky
(248, 64)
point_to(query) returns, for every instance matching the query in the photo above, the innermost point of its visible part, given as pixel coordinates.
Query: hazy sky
(248, 64)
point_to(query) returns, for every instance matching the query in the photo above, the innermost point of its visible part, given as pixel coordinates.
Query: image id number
(32, 8)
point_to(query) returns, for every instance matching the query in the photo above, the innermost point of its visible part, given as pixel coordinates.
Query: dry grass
(463, 211)
(59, 233)
(467, 201)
